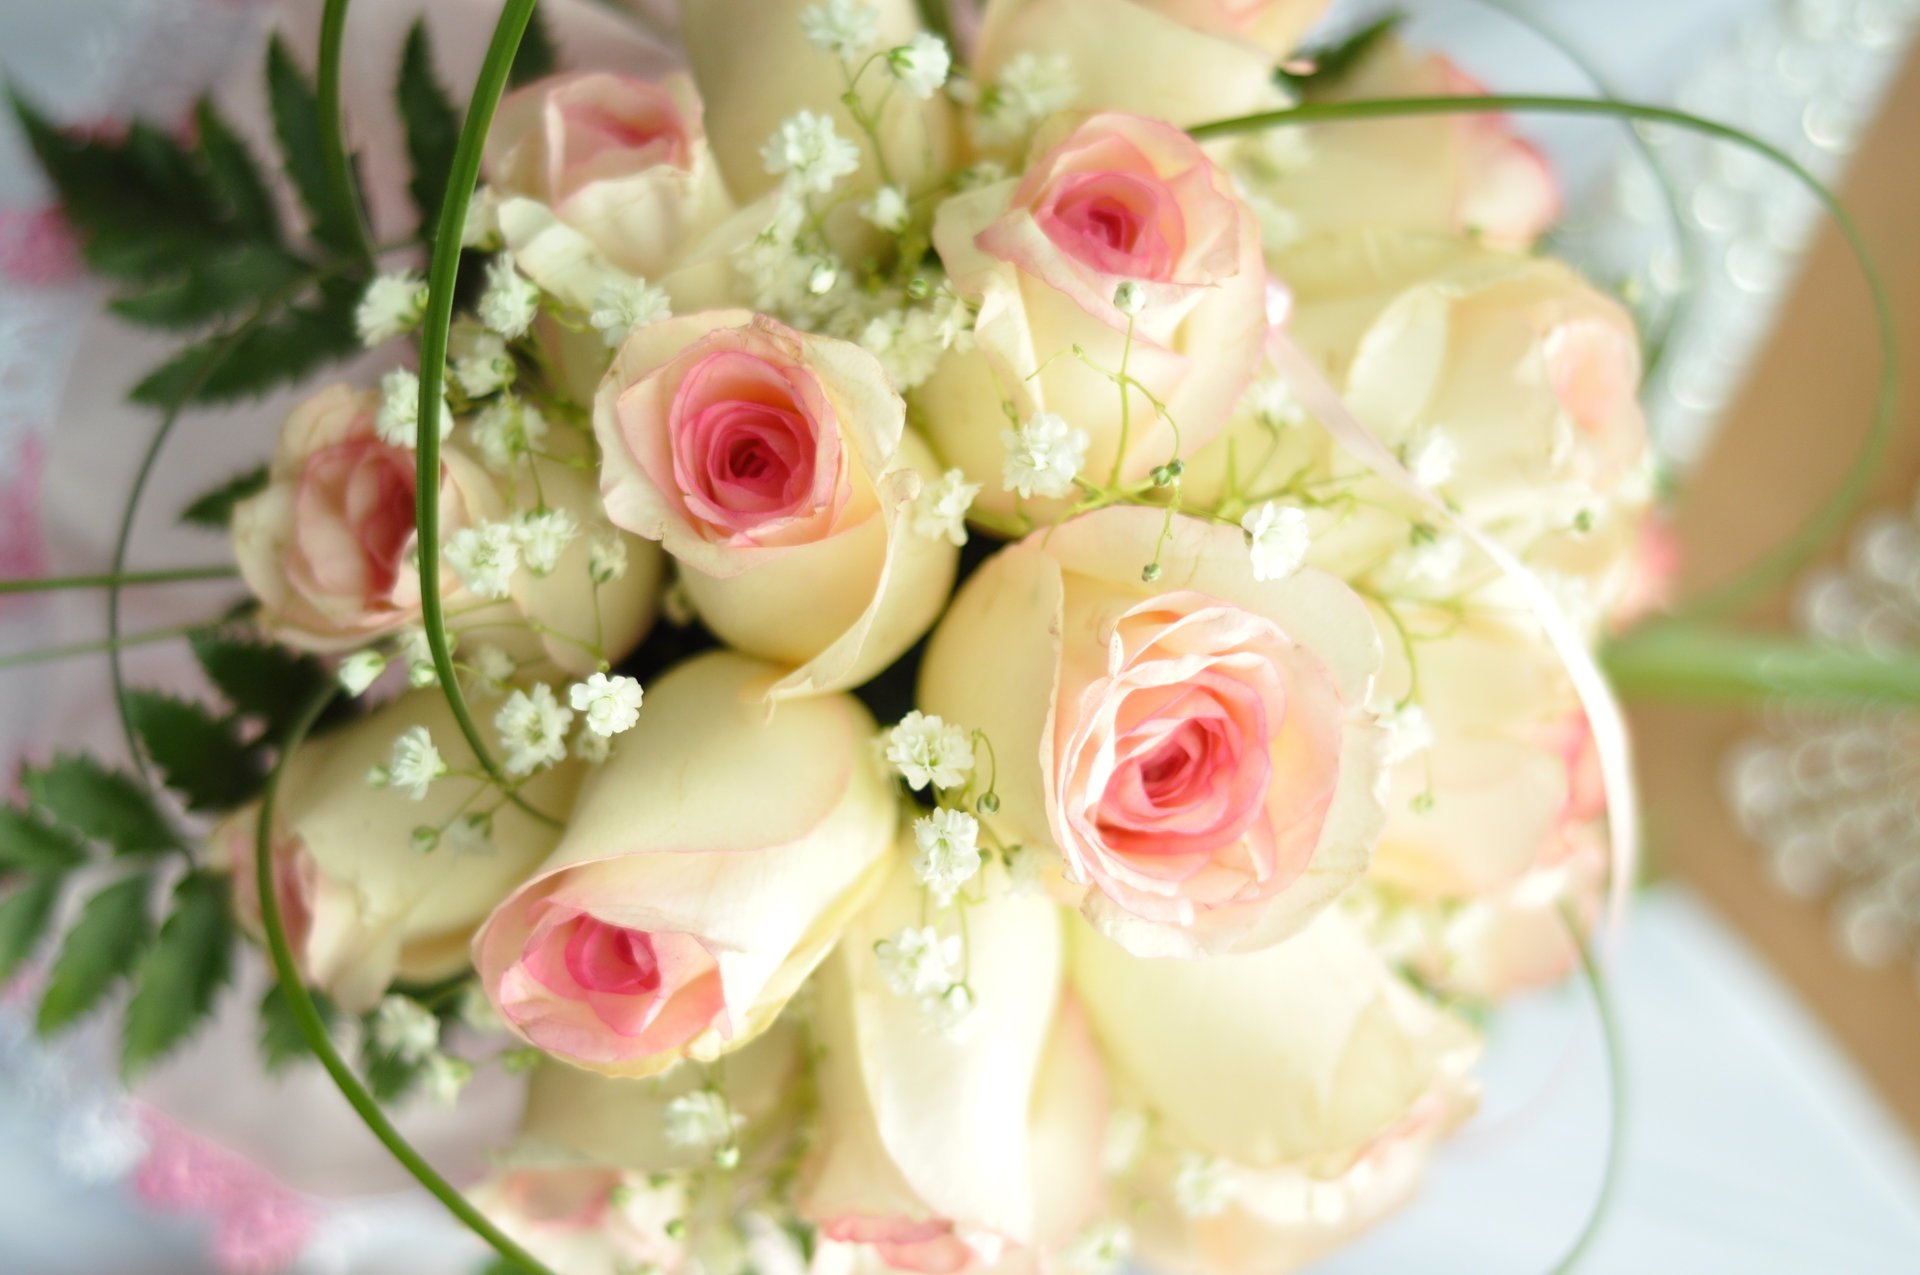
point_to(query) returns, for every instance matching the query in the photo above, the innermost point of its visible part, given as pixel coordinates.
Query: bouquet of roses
(962, 665)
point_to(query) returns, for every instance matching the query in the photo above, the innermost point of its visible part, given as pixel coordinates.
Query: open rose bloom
(988, 717)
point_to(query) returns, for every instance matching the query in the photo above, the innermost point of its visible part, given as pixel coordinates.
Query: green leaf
(266, 352)
(201, 755)
(214, 510)
(24, 917)
(432, 126)
(228, 285)
(235, 176)
(101, 804)
(389, 1077)
(281, 1042)
(142, 206)
(260, 678)
(175, 985)
(536, 58)
(1334, 61)
(31, 845)
(296, 122)
(99, 950)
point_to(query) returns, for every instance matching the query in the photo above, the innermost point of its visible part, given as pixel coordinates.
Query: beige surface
(1786, 443)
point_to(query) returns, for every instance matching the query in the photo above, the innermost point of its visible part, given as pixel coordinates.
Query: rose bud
(1120, 207)
(945, 1138)
(364, 901)
(674, 919)
(1197, 749)
(775, 467)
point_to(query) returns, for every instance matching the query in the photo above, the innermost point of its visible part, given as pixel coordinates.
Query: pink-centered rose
(1182, 61)
(775, 466)
(1196, 749)
(674, 919)
(361, 905)
(1119, 199)
(595, 170)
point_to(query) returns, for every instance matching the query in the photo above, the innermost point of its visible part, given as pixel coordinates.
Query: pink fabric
(259, 1226)
(37, 247)
(23, 546)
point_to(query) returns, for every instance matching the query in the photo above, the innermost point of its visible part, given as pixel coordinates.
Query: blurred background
(1769, 981)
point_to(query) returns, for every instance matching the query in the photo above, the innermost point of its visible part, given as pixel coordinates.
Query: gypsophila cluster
(359, 671)
(1031, 87)
(946, 852)
(478, 360)
(414, 765)
(845, 28)
(533, 726)
(927, 750)
(405, 1028)
(808, 151)
(623, 305)
(398, 420)
(918, 962)
(1044, 456)
(887, 209)
(1277, 539)
(921, 66)
(444, 1078)
(607, 559)
(1202, 1186)
(608, 705)
(415, 651)
(545, 534)
(511, 300)
(1101, 1249)
(1431, 459)
(940, 511)
(1274, 404)
(392, 304)
(1408, 733)
(485, 558)
(506, 431)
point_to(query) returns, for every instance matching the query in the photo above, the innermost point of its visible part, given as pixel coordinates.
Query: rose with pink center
(1197, 752)
(1116, 200)
(775, 465)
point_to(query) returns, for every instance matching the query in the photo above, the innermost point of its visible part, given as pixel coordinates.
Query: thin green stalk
(1658, 343)
(333, 127)
(124, 579)
(314, 1029)
(1702, 662)
(47, 654)
(1840, 505)
(434, 330)
(1617, 1096)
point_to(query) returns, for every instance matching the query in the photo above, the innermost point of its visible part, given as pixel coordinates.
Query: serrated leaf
(266, 353)
(389, 1077)
(141, 206)
(201, 755)
(31, 844)
(536, 58)
(229, 285)
(281, 1041)
(182, 972)
(100, 804)
(260, 678)
(214, 510)
(432, 127)
(234, 176)
(98, 952)
(25, 914)
(296, 123)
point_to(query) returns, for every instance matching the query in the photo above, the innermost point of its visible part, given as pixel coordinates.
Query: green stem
(50, 653)
(333, 129)
(1617, 1090)
(434, 329)
(1832, 516)
(1659, 342)
(1700, 662)
(314, 1029)
(52, 584)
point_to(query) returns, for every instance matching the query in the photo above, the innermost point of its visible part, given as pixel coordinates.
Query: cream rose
(1183, 61)
(1296, 1057)
(1118, 199)
(756, 68)
(362, 906)
(775, 467)
(939, 1149)
(1197, 749)
(1461, 175)
(674, 919)
(327, 548)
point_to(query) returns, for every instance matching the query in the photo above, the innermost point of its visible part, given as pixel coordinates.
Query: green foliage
(199, 751)
(296, 123)
(182, 972)
(281, 1041)
(225, 287)
(1335, 61)
(258, 678)
(276, 345)
(28, 844)
(537, 57)
(432, 127)
(214, 510)
(26, 912)
(99, 804)
(100, 950)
